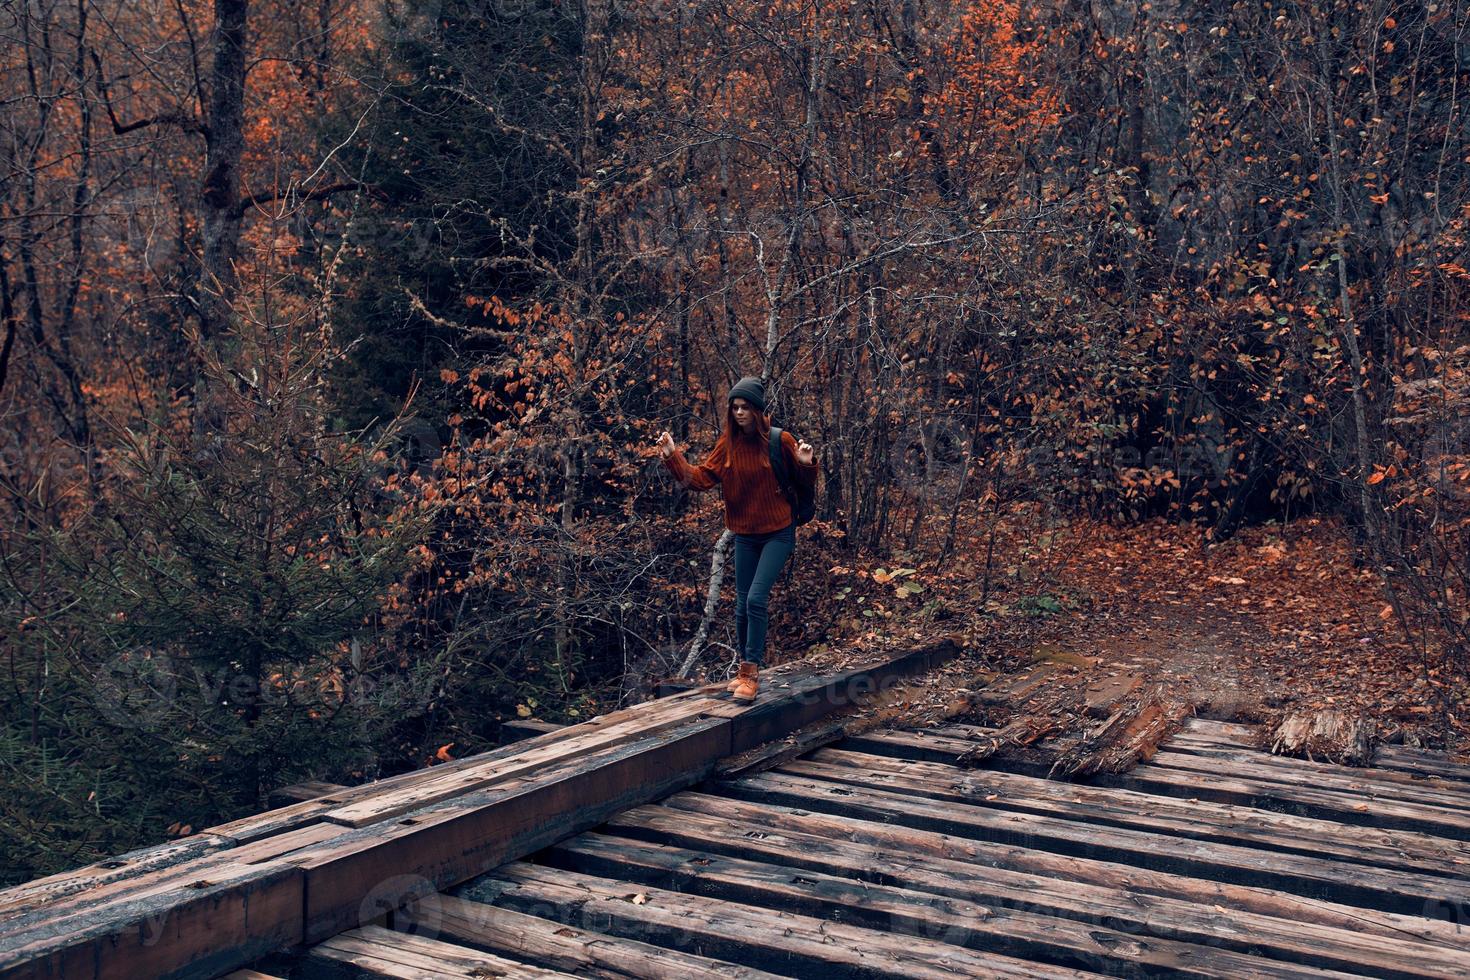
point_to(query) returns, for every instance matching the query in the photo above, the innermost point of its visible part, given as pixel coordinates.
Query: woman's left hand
(804, 453)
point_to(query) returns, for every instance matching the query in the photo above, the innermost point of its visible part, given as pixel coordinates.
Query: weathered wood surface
(781, 941)
(869, 852)
(309, 790)
(1131, 734)
(1331, 736)
(1199, 819)
(580, 951)
(909, 911)
(1399, 758)
(381, 952)
(1139, 882)
(1314, 878)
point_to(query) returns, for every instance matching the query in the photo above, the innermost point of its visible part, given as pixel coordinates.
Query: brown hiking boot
(746, 683)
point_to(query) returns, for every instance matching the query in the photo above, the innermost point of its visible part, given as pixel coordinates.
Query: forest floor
(1277, 619)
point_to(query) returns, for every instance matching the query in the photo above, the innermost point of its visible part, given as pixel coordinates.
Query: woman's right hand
(665, 446)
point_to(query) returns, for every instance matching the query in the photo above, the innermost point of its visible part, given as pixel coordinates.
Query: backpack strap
(778, 463)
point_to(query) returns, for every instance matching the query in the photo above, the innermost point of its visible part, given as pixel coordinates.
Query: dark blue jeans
(758, 560)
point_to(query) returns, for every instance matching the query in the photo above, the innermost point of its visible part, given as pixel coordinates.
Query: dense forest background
(335, 336)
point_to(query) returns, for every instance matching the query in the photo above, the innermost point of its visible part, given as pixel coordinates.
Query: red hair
(733, 430)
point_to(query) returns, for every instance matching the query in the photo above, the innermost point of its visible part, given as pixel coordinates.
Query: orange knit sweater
(754, 503)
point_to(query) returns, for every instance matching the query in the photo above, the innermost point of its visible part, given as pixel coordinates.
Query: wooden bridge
(695, 837)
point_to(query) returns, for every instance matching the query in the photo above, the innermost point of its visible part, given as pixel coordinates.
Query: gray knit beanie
(752, 391)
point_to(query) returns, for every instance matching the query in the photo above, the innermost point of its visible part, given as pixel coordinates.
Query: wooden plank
(381, 952)
(829, 846)
(1230, 730)
(1188, 753)
(1371, 887)
(1199, 820)
(1139, 883)
(1293, 770)
(455, 840)
(1421, 761)
(1177, 774)
(1016, 689)
(250, 975)
(125, 867)
(395, 802)
(195, 926)
(768, 939)
(1046, 939)
(1344, 806)
(310, 811)
(578, 951)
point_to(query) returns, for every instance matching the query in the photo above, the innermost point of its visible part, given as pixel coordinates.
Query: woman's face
(744, 413)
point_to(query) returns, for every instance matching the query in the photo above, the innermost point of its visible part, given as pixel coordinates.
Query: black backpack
(803, 499)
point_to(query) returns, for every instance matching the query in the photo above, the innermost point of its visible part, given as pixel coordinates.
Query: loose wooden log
(828, 846)
(1104, 695)
(1131, 735)
(1023, 731)
(1138, 882)
(780, 941)
(1327, 735)
(1371, 887)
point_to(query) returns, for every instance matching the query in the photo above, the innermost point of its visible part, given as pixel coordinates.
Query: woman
(756, 510)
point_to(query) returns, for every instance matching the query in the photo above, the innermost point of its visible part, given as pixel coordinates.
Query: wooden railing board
(443, 785)
(134, 864)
